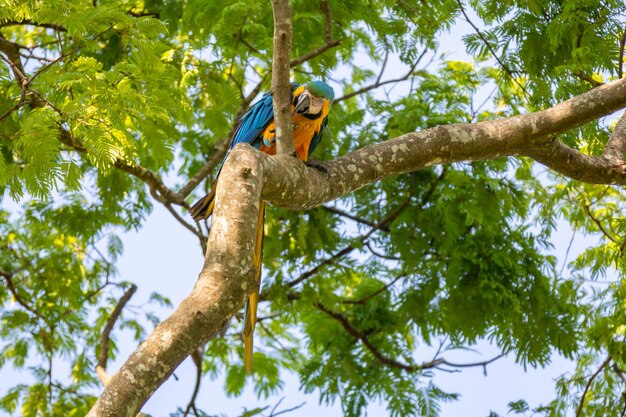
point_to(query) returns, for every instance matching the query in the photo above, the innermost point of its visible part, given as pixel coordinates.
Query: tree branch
(352, 331)
(488, 45)
(579, 409)
(620, 65)
(8, 277)
(383, 223)
(281, 78)
(379, 83)
(351, 216)
(616, 146)
(224, 283)
(103, 356)
(294, 186)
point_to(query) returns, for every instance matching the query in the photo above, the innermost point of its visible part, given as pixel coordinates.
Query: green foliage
(123, 97)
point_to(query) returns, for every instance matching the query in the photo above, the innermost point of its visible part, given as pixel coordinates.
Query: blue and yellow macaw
(310, 105)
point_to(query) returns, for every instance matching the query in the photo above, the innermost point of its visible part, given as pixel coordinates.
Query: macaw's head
(313, 100)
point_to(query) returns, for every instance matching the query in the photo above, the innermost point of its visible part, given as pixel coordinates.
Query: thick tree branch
(281, 77)
(615, 149)
(224, 283)
(293, 186)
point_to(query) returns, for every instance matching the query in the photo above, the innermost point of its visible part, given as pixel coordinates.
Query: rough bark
(280, 77)
(248, 175)
(223, 284)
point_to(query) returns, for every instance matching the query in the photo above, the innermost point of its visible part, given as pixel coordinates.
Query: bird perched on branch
(310, 105)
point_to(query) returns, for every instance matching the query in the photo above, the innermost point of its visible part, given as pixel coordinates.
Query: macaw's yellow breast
(303, 133)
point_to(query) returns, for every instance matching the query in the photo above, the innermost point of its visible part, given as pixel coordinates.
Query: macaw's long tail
(251, 305)
(203, 208)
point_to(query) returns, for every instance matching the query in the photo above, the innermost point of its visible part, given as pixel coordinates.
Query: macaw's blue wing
(254, 122)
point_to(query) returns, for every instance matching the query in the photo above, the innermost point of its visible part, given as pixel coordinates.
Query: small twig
(582, 399)
(488, 44)
(196, 231)
(288, 410)
(350, 216)
(374, 252)
(567, 253)
(375, 293)
(594, 83)
(277, 340)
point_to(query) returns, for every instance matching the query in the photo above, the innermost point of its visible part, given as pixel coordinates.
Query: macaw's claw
(319, 165)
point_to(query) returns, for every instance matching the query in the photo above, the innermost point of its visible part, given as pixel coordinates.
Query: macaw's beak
(302, 104)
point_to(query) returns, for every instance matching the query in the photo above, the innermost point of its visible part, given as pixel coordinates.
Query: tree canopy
(431, 229)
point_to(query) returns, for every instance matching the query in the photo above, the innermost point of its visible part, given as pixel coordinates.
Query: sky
(164, 257)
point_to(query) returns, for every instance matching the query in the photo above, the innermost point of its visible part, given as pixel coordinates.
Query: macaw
(310, 105)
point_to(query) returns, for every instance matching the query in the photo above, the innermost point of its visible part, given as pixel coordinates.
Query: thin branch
(569, 247)
(594, 83)
(352, 331)
(488, 44)
(622, 45)
(288, 410)
(380, 255)
(350, 216)
(582, 399)
(223, 146)
(381, 83)
(12, 52)
(314, 53)
(375, 293)
(196, 356)
(103, 357)
(348, 327)
(384, 222)
(8, 277)
(196, 231)
(277, 340)
(619, 372)
(27, 22)
(597, 221)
